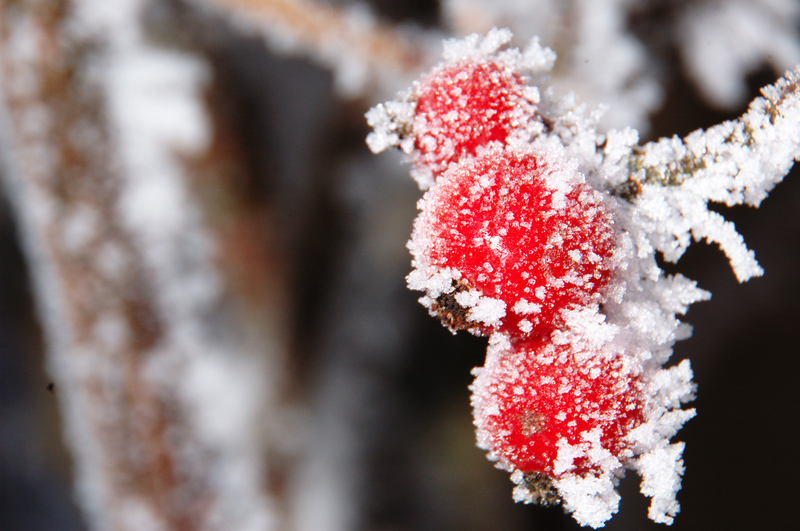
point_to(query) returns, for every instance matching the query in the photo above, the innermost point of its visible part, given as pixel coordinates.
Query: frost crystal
(545, 236)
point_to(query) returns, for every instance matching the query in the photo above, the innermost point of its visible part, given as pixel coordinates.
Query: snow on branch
(365, 55)
(736, 162)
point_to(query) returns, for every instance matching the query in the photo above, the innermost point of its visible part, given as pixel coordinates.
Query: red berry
(533, 394)
(519, 231)
(466, 105)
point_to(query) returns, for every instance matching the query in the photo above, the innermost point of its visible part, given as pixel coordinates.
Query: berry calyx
(463, 106)
(542, 408)
(507, 240)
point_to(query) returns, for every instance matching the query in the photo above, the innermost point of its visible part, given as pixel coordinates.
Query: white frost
(592, 500)
(661, 469)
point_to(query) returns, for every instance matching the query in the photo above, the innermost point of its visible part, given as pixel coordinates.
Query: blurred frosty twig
(166, 370)
(365, 55)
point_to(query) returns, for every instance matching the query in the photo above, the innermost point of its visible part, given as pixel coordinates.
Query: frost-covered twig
(365, 55)
(733, 163)
(164, 385)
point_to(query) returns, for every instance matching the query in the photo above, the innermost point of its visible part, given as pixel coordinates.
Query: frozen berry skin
(463, 106)
(517, 229)
(532, 394)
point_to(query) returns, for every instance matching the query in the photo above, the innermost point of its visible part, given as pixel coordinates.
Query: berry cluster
(508, 239)
(513, 243)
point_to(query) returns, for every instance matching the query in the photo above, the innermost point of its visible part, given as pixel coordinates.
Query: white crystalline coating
(435, 282)
(432, 281)
(539, 59)
(476, 47)
(524, 307)
(592, 500)
(661, 469)
(468, 299)
(673, 386)
(488, 311)
(386, 119)
(585, 325)
(567, 454)
(482, 309)
(668, 389)
(534, 60)
(658, 195)
(525, 325)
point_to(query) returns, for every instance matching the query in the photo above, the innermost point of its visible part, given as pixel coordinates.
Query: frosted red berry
(534, 394)
(519, 231)
(463, 106)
